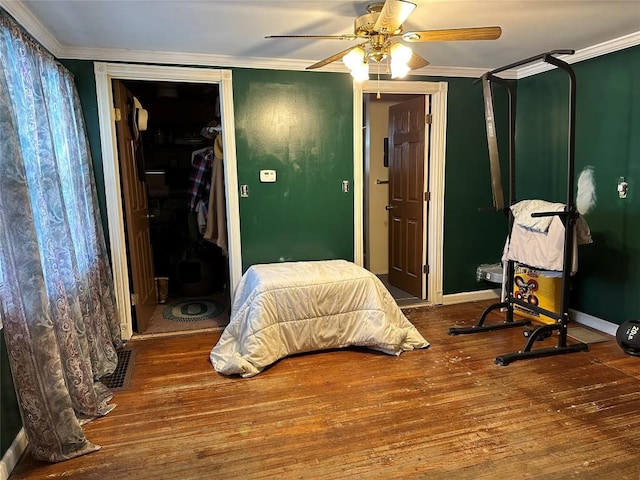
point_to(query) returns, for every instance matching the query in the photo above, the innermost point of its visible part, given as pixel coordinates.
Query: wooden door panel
(413, 247)
(396, 247)
(406, 194)
(414, 168)
(135, 210)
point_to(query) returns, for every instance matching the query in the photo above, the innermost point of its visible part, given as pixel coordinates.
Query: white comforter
(286, 308)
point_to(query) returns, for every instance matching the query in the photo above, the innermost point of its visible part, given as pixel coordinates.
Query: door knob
(389, 207)
(150, 216)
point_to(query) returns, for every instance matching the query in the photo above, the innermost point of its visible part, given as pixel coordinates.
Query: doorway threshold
(189, 314)
(402, 298)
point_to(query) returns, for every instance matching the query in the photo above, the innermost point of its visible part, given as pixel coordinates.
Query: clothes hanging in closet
(216, 225)
(200, 183)
(207, 195)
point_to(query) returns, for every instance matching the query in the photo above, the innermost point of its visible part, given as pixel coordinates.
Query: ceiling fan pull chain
(378, 93)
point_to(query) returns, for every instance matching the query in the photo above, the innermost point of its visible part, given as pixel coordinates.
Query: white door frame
(434, 174)
(104, 74)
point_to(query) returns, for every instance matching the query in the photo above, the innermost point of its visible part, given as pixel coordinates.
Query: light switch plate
(267, 176)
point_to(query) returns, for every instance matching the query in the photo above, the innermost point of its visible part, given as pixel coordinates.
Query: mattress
(294, 307)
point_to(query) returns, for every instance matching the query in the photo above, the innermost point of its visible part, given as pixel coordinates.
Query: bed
(294, 307)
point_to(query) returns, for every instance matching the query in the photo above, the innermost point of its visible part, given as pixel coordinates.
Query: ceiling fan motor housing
(363, 25)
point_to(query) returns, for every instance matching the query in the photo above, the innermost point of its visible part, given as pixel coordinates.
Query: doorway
(186, 212)
(433, 177)
(105, 73)
(380, 210)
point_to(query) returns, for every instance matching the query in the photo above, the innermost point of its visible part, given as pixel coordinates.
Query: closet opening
(180, 165)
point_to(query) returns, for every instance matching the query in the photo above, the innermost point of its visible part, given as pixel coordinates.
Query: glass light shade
(361, 72)
(401, 53)
(400, 56)
(355, 62)
(399, 70)
(354, 58)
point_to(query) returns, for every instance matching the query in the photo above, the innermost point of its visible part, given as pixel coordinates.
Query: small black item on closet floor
(628, 337)
(198, 269)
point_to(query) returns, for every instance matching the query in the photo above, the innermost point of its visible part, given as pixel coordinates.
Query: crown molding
(465, 72)
(611, 46)
(183, 58)
(32, 25)
(218, 61)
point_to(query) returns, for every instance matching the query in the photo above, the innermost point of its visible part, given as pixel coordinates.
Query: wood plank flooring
(447, 412)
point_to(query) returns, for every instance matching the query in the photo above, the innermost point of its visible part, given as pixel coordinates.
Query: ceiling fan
(379, 27)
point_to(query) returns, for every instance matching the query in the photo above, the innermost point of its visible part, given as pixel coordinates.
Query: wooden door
(407, 245)
(135, 210)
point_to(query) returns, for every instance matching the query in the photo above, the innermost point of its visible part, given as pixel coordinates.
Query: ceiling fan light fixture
(361, 73)
(399, 70)
(378, 29)
(400, 57)
(355, 62)
(400, 53)
(354, 58)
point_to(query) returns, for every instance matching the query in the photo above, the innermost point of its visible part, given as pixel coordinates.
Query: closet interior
(182, 150)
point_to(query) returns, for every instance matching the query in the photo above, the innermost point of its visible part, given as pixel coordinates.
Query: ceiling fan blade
(317, 37)
(393, 15)
(450, 34)
(416, 62)
(332, 58)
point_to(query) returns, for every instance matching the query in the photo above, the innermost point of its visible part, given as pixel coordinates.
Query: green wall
(608, 139)
(86, 85)
(299, 124)
(10, 422)
(473, 233)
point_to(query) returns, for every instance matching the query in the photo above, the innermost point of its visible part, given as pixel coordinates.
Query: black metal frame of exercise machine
(568, 217)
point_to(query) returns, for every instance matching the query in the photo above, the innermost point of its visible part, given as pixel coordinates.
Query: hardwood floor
(447, 412)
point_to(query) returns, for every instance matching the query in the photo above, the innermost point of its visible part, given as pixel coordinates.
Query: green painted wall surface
(300, 125)
(473, 233)
(10, 422)
(608, 139)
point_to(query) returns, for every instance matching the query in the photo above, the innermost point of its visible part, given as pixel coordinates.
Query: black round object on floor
(628, 337)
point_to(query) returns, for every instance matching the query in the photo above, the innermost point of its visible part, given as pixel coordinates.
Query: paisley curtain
(57, 301)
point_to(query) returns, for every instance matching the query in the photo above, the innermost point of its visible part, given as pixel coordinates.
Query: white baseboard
(463, 297)
(594, 322)
(10, 459)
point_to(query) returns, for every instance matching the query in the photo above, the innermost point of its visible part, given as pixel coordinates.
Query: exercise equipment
(568, 217)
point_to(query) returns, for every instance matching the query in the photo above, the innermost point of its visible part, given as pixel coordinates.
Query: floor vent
(119, 379)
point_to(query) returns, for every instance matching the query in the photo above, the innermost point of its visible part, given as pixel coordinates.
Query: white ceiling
(231, 33)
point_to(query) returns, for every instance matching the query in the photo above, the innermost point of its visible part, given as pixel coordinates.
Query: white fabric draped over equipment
(286, 308)
(539, 241)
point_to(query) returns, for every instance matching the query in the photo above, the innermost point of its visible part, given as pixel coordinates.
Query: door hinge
(427, 196)
(134, 299)
(117, 115)
(428, 118)
(425, 269)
